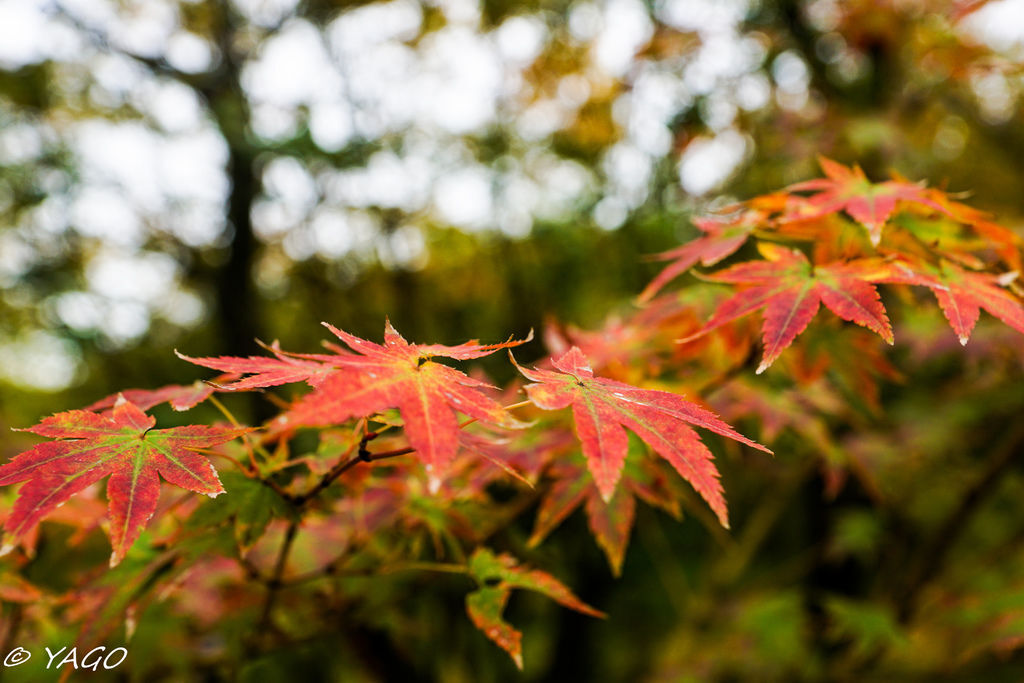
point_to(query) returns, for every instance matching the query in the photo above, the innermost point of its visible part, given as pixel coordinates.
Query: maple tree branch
(249, 472)
(331, 569)
(383, 455)
(275, 487)
(343, 466)
(12, 627)
(443, 567)
(364, 455)
(274, 583)
(251, 570)
(936, 552)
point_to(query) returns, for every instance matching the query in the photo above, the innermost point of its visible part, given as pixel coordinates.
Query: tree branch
(936, 552)
(275, 582)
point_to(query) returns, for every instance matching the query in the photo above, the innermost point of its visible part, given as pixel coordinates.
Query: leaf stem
(235, 461)
(521, 404)
(235, 423)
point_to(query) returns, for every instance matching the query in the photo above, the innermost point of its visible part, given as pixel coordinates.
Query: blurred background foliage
(202, 173)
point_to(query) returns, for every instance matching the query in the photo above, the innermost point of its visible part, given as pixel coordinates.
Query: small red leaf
(719, 241)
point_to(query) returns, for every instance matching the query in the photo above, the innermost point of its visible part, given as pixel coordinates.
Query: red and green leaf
(124, 446)
(497, 575)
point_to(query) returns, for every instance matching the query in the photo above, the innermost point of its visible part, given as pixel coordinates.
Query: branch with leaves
(351, 505)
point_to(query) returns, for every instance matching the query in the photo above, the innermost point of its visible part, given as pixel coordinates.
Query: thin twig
(275, 582)
(444, 567)
(332, 569)
(343, 466)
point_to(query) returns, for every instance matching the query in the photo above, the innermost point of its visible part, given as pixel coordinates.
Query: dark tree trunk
(238, 309)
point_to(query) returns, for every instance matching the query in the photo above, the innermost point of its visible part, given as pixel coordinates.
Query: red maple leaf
(180, 396)
(610, 521)
(633, 346)
(848, 189)
(961, 293)
(602, 407)
(126, 447)
(263, 371)
(790, 290)
(719, 241)
(401, 375)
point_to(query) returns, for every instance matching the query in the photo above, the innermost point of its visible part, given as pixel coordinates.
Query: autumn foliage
(396, 457)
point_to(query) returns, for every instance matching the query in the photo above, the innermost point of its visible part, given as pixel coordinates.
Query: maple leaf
(719, 241)
(180, 396)
(83, 514)
(961, 293)
(496, 455)
(790, 290)
(401, 375)
(610, 521)
(634, 346)
(848, 189)
(497, 576)
(126, 447)
(602, 407)
(263, 371)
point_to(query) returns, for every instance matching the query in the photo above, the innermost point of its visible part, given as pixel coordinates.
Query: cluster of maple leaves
(828, 241)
